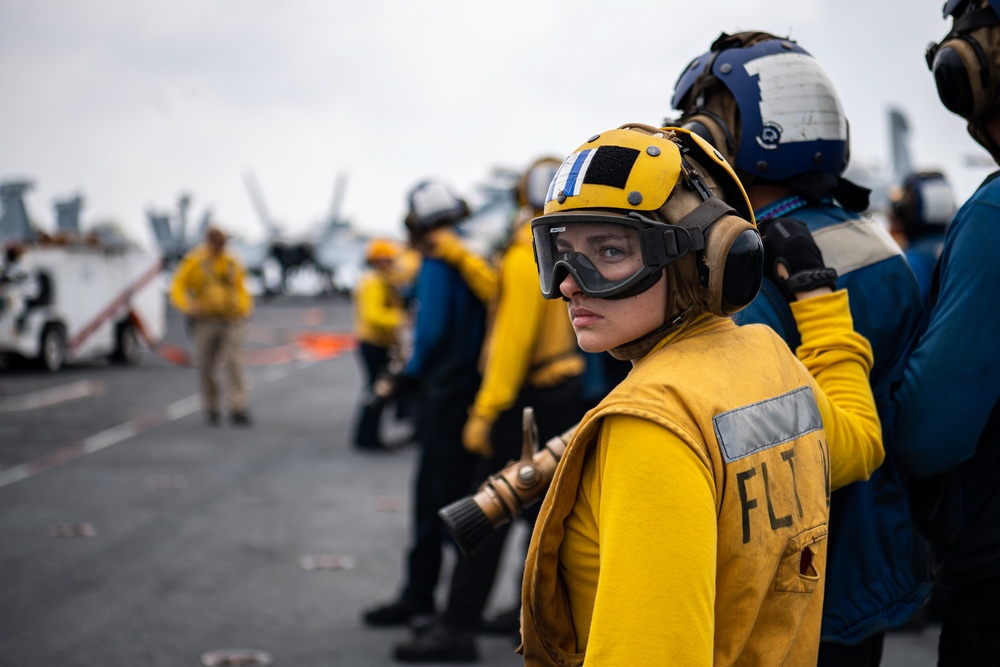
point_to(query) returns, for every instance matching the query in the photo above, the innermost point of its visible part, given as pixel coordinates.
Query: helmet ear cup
(710, 127)
(962, 73)
(731, 264)
(734, 260)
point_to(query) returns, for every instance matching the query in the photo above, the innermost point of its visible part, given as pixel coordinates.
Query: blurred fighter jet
(326, 260)
(494, 205)
(879, 178)
(171, 232)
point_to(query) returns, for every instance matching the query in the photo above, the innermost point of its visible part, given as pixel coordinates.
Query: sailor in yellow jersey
(686, 523)
(379, 316)
(209, 286)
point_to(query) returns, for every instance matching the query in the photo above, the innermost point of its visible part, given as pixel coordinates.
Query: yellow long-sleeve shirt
(478, 273)
(378, 310)
(649, 553)
(211, 286)
(530, 340)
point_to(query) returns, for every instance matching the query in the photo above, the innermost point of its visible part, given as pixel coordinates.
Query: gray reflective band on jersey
(854, 244)
(754, 428)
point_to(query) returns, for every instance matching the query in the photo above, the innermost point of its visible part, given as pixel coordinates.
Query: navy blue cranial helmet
(787, 119)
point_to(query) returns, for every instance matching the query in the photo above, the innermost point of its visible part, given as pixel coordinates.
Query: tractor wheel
(53, 352)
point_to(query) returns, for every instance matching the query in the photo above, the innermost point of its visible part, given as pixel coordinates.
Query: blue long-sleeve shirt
(872, 581)
(448, 331)
(952, 382)
(922, 254)
(948, 417)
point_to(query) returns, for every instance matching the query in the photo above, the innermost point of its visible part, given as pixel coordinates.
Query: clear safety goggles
(610, 256)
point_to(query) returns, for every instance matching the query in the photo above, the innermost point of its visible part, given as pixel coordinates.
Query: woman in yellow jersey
(686, 522)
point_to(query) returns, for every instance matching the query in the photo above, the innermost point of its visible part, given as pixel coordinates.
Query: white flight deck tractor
(70, 296)
(70, 302)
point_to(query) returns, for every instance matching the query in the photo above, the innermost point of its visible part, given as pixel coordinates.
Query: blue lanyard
(784, 206)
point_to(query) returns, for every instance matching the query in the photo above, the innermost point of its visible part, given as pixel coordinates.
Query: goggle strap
(678, 242)
(700, 219)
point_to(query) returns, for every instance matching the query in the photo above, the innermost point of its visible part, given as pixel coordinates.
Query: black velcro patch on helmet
(611, 166)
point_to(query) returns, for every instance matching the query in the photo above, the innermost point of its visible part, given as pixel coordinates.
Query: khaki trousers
(219, 342)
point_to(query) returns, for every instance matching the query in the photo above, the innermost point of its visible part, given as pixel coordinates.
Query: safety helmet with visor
(635, 200)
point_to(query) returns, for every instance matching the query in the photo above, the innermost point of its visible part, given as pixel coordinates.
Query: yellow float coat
(686, 523)
(214, 286)
(378, 310)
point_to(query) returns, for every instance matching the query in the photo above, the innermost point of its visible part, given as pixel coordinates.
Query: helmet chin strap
(640, 347)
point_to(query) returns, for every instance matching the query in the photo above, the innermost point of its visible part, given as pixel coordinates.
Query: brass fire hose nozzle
(505, 495)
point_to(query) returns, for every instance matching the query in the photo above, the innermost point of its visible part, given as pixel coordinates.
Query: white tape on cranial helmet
(433, 200)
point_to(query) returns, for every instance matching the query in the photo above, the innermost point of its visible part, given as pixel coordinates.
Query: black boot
(439, 643)
(399, 612)
(507, 622)
(240, 418)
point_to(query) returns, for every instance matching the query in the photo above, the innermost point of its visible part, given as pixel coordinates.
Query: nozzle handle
(529, 428)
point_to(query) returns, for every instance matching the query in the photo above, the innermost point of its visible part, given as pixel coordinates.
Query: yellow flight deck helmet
(381, 249)
(674, 197)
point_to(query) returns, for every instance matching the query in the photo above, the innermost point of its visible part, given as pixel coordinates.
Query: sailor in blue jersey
(949, 402)
(790, 159)
(447, 339)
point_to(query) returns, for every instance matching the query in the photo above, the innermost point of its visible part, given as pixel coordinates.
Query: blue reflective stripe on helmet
(579, 165)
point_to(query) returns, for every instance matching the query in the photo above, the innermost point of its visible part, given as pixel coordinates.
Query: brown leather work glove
(476, 436)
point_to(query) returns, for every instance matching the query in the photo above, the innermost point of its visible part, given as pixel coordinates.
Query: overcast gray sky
(130, 103)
